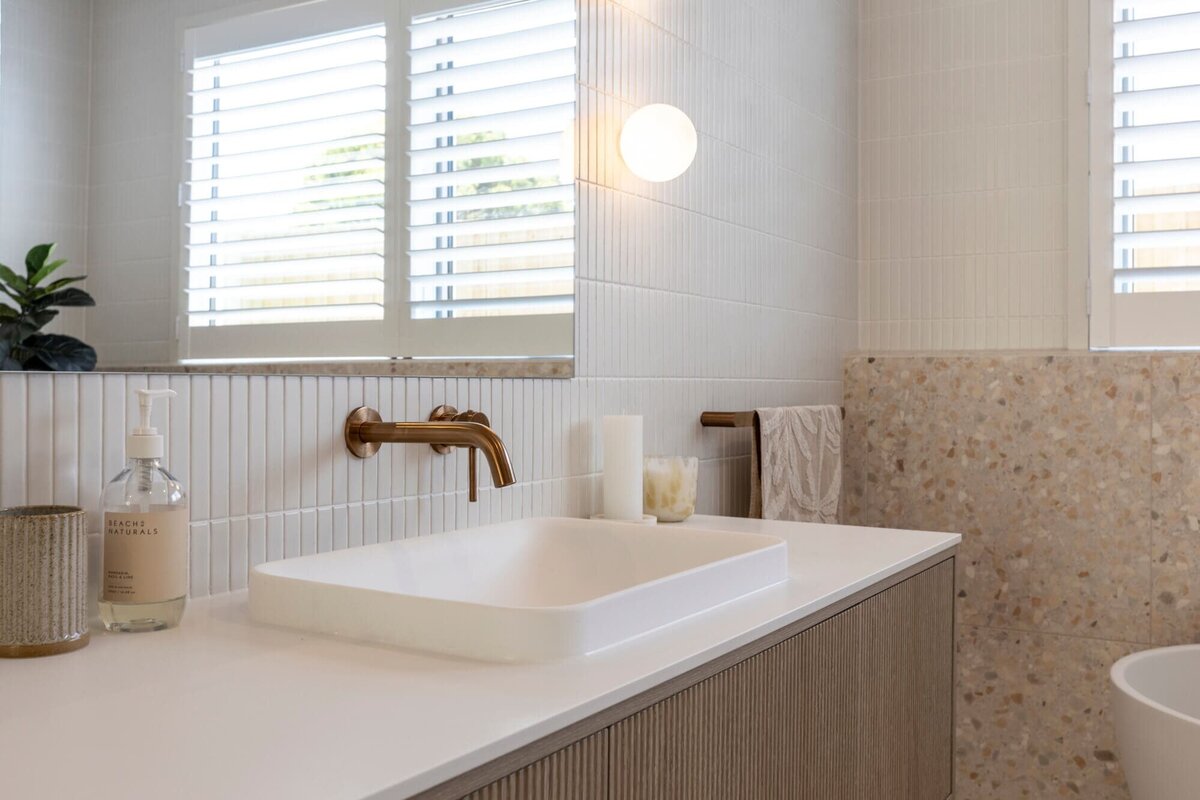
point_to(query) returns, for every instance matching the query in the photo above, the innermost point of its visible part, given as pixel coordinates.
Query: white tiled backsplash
(732, 287)
(963, 182)
(269, 475)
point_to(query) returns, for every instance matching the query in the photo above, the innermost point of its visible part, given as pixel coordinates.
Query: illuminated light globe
(658, 142)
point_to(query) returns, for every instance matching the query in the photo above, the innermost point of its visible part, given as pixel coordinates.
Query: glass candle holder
(669, 487)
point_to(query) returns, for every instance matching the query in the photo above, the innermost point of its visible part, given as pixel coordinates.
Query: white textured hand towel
(800, 452)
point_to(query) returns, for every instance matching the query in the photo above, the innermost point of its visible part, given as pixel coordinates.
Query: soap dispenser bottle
(145, 569)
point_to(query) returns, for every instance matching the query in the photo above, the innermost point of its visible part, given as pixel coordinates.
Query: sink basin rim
(626, 608)
(767, 542)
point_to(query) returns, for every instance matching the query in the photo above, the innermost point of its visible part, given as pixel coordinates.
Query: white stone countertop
(222, 707)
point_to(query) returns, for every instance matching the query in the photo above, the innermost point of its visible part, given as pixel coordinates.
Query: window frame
(1145, 321)
(398, 335)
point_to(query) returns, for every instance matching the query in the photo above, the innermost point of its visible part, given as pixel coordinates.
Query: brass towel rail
(734, 419)
(728, 419)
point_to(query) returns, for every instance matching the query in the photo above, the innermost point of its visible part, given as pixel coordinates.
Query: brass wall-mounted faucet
(366, 432)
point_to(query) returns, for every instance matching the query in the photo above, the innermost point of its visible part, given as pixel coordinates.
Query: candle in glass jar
(670, 487)
(623, 467)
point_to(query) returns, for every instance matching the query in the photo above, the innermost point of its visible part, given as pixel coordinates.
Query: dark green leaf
(45, 271)
(40, 318)
(36, 320)
(25, 325)
(6, 359)
(61, 282)
(52, 351)
(13, 280)
(65, 297)
(36, 293)
(8, 313)
(35, 259)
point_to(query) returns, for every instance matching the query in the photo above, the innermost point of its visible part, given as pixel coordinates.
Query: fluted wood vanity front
(855, 702)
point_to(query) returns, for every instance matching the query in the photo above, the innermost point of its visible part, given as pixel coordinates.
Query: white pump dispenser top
(145, 441)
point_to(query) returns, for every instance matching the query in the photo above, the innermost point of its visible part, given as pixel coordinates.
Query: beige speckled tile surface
(1033, 717)
(1048, 484)
(1175, 559)
(1075, 481)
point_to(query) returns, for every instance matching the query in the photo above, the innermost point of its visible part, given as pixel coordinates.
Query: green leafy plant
(22, 345)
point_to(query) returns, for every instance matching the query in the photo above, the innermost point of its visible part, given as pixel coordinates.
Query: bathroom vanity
(854, 702)
(836, 682)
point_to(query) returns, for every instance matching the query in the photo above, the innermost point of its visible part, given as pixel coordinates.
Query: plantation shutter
(284, 185)
(491, 162)
(1157, 146)
(1155, 169)
(399, 171)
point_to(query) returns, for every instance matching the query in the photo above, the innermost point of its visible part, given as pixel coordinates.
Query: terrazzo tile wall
(964, 141)
(1075, 481)
(734, 286)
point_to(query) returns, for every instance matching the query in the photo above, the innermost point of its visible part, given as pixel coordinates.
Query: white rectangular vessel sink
(528, 590)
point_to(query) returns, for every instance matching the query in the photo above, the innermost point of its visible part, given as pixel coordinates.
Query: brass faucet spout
(365, 432)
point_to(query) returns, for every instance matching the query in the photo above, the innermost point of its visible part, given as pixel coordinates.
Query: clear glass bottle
(144, 575)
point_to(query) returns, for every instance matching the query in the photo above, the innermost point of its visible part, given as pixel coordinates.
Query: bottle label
(145, 556)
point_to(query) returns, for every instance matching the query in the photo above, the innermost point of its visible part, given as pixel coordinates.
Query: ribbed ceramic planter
(43, 580)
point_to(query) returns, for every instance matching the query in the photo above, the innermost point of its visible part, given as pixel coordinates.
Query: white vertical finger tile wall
(962, 181)
(732, 287)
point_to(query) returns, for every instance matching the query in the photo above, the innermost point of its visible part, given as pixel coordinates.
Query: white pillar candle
(623, 467)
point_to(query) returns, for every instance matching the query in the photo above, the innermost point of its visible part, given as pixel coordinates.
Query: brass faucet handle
(443, 413)
(448, 413)
(473, 416)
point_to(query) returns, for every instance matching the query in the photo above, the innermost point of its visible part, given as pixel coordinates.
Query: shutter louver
(491, 175)
(1156, 190)
(285, 182)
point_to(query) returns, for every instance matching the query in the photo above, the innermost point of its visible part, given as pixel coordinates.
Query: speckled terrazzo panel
(1175, 532)
(1032, 716)
(1075, 481)
(1048, 481)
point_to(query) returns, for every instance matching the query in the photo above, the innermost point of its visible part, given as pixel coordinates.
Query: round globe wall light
(658, 142)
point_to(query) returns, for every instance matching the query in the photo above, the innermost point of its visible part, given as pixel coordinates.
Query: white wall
(731, 288)
(963, 186)
(45, 50)
(133, 178)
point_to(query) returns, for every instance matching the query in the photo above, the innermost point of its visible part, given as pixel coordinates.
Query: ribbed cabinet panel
(907, 664)
(857, 707)
(577, 772)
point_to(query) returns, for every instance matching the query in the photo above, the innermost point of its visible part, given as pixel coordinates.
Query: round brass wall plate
(356, 445)
(443, 413)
